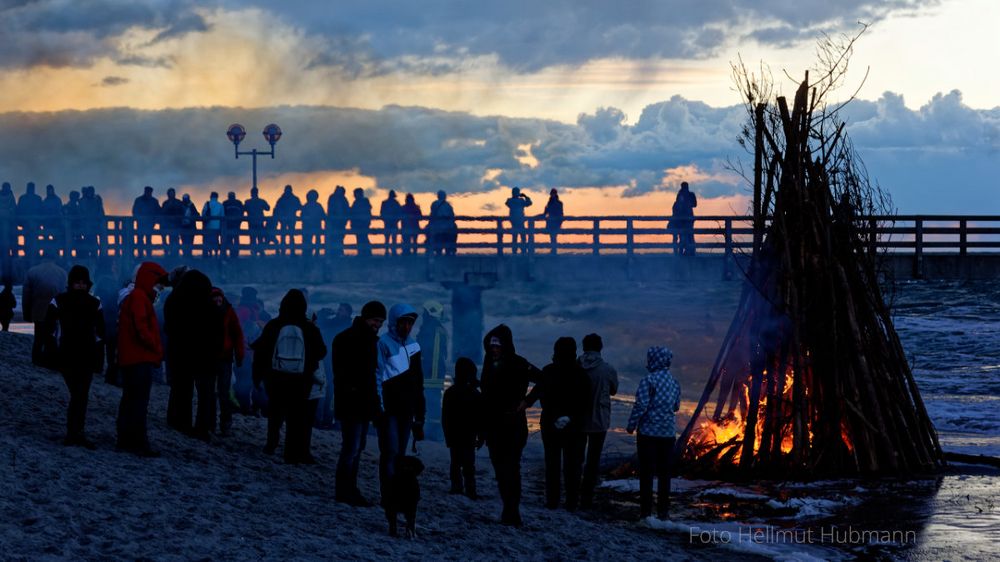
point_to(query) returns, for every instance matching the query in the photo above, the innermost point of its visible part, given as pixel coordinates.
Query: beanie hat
(79, 273)
(373, 309)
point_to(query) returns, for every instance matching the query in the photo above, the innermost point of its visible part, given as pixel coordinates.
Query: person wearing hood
(42, 283)
(77, 319)
(233, 351)
(355, 399)
(505, 380)
(433, 340)
(564, 392)
(338, 209)
(461, 419)
(286, 355)
(656, 399)
(140, 350)
(313, 216)
(399, 384)
(603, 385)
(194, 336)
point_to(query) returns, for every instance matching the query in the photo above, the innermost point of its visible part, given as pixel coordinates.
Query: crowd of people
(177, 326)
(75, 227)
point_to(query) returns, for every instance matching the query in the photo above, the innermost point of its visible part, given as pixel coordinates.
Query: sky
(614, 104)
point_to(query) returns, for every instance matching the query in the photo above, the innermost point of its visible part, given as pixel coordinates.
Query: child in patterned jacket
(656, 399)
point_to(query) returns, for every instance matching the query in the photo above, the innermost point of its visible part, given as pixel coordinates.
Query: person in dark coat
(29, 214)
(603, 385)
(255, 208)
(145, 210)
(391, 213)
(8, 302)
(233, 210)
(189, 225)
(194, 341)
(461, 413)
(682, 221)
(410, 224)
(312, 224)
(286, 212)
(42, 283)
(553, 217)
(52, 210)
(91, 215)
(288, 392)
(355, 400)
(361, 219)
(565, 394)
(8, 222)
(505, 381)
(77, 317)
(399, 382)
(140, 350)
(338, 209)
(172, 213)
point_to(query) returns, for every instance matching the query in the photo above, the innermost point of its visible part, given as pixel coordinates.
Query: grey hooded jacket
(603, 385)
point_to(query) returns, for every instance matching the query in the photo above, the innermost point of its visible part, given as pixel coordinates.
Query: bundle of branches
(811, 379)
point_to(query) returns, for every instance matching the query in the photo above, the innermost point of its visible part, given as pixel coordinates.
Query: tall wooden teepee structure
(811, 378)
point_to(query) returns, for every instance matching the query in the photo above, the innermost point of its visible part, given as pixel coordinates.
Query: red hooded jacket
(138, 329)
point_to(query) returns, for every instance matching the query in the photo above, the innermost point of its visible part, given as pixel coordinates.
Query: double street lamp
(236, 134)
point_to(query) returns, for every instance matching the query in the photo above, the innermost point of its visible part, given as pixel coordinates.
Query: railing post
(872, 236)
(727, 272)
(918, 252)
(499, 237)
(597, 236)
(629, 238)
(963, 237)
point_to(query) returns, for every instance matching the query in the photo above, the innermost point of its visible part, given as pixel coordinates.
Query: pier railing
(117, 236)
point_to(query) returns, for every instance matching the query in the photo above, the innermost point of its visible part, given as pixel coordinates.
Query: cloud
(939, 158)
(113, 81)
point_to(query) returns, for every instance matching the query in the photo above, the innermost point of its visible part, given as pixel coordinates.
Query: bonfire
(811, 379)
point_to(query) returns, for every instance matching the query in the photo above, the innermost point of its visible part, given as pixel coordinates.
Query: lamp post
(236, 134)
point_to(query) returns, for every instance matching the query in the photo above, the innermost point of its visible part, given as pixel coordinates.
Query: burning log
(811, 379)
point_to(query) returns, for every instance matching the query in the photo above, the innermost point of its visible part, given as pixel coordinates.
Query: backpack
(289, 351)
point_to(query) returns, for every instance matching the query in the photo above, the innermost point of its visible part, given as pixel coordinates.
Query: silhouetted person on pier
(286, 209)
(42, 283)
(255, 208)
(8, 302)
(29, 215)
(410, 224)
(211, 229)
(77, 318)
(52, 223)
(92, 214)
(553, 217)
(517, 203)
(361, 220)
(146, 211)
(682, 221)
(73, 225)
(233, 209)
(603, 385)
(172, 212)
(442, 232)
(8, 222)
(338, 210)
(189, 225)
(312, 224)
(391, 213)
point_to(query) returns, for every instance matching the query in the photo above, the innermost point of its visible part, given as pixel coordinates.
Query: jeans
(223, 382)
(506, 446)
(354, 437)
(654, 460)
(137, 380)
(393, 435)
(563, 453)
(78, 383)
(594, 446)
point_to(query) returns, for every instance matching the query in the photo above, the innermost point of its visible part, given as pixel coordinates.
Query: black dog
(404, 490)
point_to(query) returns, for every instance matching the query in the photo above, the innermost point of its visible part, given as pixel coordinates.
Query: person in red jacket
(139, 352)
(233, 349)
